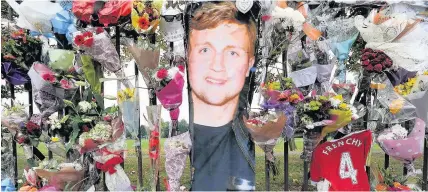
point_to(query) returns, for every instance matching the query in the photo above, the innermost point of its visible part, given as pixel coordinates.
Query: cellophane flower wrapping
(419, 97)
(145, 58)
(310, 141)
(67, 177)
(96, 138)
(390, 106)
(128, 103)
(154, 130)
(402, 146)
(7, 158)
(11, 117)
(177, 149)
(108, 160)
(146, 15)
(47, 97)
(171, 96)
(103, 51)
(57, 148)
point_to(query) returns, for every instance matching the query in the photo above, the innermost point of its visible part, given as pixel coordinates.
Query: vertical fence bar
(117, 42)
(267, 175)
(305, 176)
(286, 143)
(425, 167)
(386, 163)
(367, 98)
(14, 152)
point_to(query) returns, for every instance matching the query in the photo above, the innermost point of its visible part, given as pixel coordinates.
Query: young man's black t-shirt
(218, 158)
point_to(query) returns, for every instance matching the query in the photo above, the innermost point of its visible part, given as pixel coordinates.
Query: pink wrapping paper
(171, 96)
(407, 149)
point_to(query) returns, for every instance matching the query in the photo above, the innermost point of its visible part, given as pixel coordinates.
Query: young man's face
(219, 60)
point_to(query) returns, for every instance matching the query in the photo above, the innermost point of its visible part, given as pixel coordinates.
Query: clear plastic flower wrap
(109, 161)
(69, 176)
(177, 149)
(98, 44)
(57, 148)
(402, 146)
(154, 130)
(103, 134)
(145, 57)
(419, 97)
(7, 158)
(391, 107)
(128, 102)
(13, 116)
(48, 97)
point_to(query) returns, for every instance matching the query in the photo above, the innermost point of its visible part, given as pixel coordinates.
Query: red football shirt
(342, 162)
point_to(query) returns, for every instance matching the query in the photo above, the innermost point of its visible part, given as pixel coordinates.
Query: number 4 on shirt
(346, 169)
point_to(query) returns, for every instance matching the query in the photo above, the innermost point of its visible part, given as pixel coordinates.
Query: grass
(276, 183)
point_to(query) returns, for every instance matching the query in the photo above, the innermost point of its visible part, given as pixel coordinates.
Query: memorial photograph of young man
(220, 53)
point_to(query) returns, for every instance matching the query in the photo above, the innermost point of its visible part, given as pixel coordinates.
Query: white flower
(399, 131)
(20, 181)
(386, 136)
(101, 131)
(83, 137)
(171, 72)
(335, 102)
(354, 112)
(54, 122)
(84, 106)
(310, 126)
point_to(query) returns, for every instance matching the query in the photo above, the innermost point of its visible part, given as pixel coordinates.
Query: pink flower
(31, 176)
(266, 17)
(387, 63)
(369, 68)
(378, 67)
(49, 77)
(65, 84)
(181, 68)
(99, 30)
(162, 73)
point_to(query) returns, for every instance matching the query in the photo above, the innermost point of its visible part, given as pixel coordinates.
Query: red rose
(365, 63)
(99, 30)
(89, 42)
(266, 17)
(387, 63)
(31, 127)
(181, 68)
(369, 68)
(377, 68)
(162, 73)
(87, 34)
(365, 57)
(369, 50)
(49, 77)
(78, 40)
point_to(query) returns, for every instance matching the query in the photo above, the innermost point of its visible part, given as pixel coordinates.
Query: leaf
(68, 103)
(110, 97)
(87, 120)
(100, 100)
(80, 83)
(64, 119)
(69, 76)
(74, 135)
(91, 76)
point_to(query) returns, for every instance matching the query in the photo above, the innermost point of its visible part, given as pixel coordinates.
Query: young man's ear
(250, 65)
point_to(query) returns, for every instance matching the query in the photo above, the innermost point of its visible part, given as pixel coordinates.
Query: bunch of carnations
(164, 75)
(375, 60)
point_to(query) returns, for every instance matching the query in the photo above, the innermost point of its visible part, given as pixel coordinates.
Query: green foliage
(354, 63)
(91, 74)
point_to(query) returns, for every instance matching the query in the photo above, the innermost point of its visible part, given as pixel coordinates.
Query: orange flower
(381, 187)
(143, 23)
(396, 106)
(378, 86)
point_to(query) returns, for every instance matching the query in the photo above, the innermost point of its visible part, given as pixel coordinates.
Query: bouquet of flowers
(145, 15)
(402, 146)
(387, 182)
(19, 51)
(128, 102)
(109, 161)
(50, 88)
(96, 42)
(154, 128)
(375, 60)
(415, 91)
(177, 149)
(65, 176)
(13, 116)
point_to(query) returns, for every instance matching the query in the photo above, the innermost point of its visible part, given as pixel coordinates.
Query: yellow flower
(294, 97)
(140, 7)
(426, 73)
(338, 97)
(274, 86)
(54, 139)
(396, 105)
(146, 15)
(343, 106)
(323, 98)
(126, 94)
